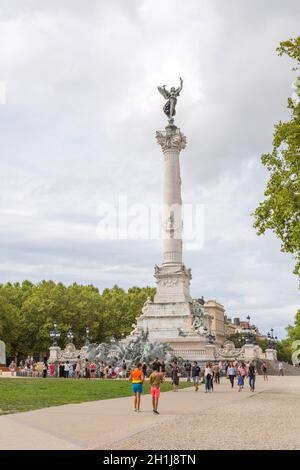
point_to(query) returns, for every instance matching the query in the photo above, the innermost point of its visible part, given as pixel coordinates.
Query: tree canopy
(27, 313)
(280, 210)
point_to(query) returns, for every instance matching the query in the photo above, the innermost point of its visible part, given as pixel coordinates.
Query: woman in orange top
(137, 378)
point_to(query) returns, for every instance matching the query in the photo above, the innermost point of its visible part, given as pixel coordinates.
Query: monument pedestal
(54, 353)
(271, 354)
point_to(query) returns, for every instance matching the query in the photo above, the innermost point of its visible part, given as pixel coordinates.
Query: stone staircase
(272, 367)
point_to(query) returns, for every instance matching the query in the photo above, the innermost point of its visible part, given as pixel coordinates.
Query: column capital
(171, 139)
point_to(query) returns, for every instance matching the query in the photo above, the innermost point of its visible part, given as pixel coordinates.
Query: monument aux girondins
(173, 324)
(174, 317)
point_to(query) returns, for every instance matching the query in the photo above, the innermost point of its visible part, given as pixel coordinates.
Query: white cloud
(78, 129)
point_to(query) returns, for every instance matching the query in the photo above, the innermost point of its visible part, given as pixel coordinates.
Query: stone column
(172, 141)
(172, 278)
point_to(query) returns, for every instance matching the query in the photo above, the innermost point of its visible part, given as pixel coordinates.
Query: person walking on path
(175, 374)
(251, 376)
(87, 370)
(12, 368)
(208, 377)
(156, 364)
(188, 369)
(264, 371)
(155, 379)
(45, 367)
(243, 371)
(67, 370)
(217, 373)
(137, 378)
(240, 381)
(78, 367)
(144, 369)
(124, 368)
(231, 373)
(52, 369)
(280, 368)
(196, 375)
(93, 370)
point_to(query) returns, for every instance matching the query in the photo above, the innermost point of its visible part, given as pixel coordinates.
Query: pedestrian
(87, 370)
(61, 370)
(67, 370)
(196, 375)
(78, 368)
(124, 368)
(240, 381)
(45, 367)
(101, 370)
(243, 371)
(157, 364)
(251, 376)
(34, 369)
(144, 369)
(93, 370)
(175, 374)
(231, 373)
(264, 371)
(208, 377)
(52, 369)
(280, 368)
(163, 367)
(155, 379)
(12, 368)
(216, 371)
(137, 378)
(188, 369)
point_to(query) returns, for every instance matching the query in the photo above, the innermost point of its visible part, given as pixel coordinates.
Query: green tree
(280, 210)
(27, 313)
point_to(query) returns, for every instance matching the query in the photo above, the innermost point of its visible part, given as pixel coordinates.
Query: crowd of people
(208, 375)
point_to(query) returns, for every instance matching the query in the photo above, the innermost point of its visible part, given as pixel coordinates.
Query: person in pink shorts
(155, 379)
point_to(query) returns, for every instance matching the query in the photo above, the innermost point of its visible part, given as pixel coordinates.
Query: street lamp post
(70, 336)
(54, 334)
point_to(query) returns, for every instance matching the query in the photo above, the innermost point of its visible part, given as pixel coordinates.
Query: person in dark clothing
(156, 364)
(196, 375)
(61, 370)
(251, 376)
(188, 370)
(175, 374)
(45, 367)
(144, 369)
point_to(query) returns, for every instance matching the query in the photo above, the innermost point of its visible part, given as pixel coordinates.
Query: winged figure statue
(171, 97)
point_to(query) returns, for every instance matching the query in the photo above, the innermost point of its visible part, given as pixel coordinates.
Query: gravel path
(227, 419)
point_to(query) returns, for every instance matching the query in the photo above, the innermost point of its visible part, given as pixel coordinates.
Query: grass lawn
(30, 394)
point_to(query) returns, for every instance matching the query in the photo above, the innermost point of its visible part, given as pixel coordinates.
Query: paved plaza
(224, 419)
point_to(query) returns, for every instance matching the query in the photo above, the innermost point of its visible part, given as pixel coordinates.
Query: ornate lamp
(70, 336)
(87, 338)
(54, 334)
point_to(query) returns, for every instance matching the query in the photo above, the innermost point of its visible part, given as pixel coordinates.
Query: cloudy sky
(78, 125)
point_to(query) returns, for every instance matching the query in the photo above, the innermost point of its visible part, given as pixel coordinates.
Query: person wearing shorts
(155, 379)
(137, 378)
(196, 375)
